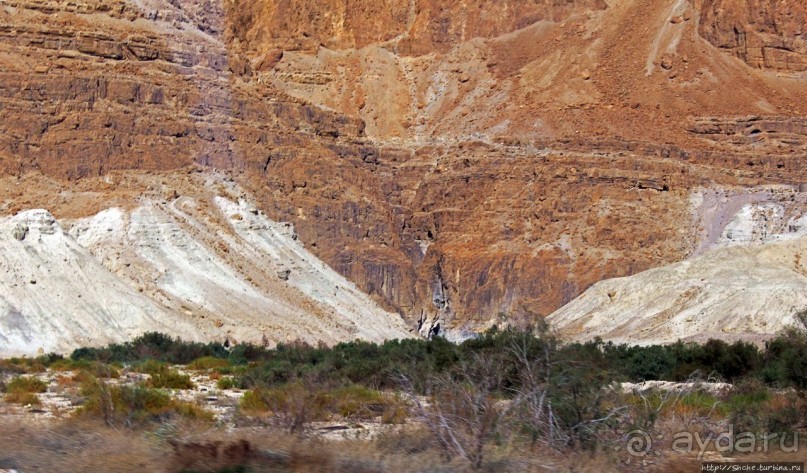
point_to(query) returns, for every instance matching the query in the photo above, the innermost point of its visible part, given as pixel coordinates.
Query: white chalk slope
(748, 284)
(55, 294)
(208, 269)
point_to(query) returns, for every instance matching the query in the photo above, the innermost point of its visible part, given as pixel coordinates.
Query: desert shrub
(690, 405)
(700, 403)
(156, 346)
(170, 379)
(66, 364)
(786, 412)
(23, 398)
(208, 363)
(357, 402)
(150, 366)
(23, 390)
(22, 366)
(754, 407)
(396, 412)
(465, 413)
(26, 384)
(581, 404)
(295, 404)
(88, 368)
(138, 402)
(162, 376)
(748, 396)
(785, 360)
(292, 406)
(131, 404)
(253, 403)
(225, 383)
(191, 410)
(244, 353)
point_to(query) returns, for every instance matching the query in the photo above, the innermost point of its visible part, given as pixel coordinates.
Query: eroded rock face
(456, 161)
(766, 34)
(412, 27)
(144, 90)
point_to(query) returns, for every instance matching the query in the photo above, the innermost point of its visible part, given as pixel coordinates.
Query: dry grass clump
(294, 405)
(185, 445)
(23, 390)
(164, 377)
(134, 404)
(207, 363)
(22, 366)
(78, 445)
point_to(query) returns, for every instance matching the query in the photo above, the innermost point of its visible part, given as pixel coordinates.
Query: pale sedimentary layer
(203, 269)
(747, 280)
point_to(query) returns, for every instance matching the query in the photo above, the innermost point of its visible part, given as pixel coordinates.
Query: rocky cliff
(455, 161)
(767, 34)
(746, 280)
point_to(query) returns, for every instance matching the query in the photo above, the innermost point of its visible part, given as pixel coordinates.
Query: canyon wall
(461, 163)
(766, 34)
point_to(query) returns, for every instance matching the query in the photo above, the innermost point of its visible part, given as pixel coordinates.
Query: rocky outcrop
(780, 131)
(766, 34)
(411, 27)
(465, 233)
(737, 293)
(56, 296)
(747, 280)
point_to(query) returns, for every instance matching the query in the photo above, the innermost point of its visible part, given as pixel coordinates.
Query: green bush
(170, 379)
(152, 345)
(225, 383)
(253, 402)
(164, 377)
(754, 407)
(22, 366)
(94, 368)
(782, 363)
(786, 360)
(296, 404)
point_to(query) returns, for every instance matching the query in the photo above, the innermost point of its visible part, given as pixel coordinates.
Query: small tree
(465, 410)
(292, 407)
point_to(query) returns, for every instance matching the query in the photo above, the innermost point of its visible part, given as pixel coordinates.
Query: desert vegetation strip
(471, 404)
(780, 363)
